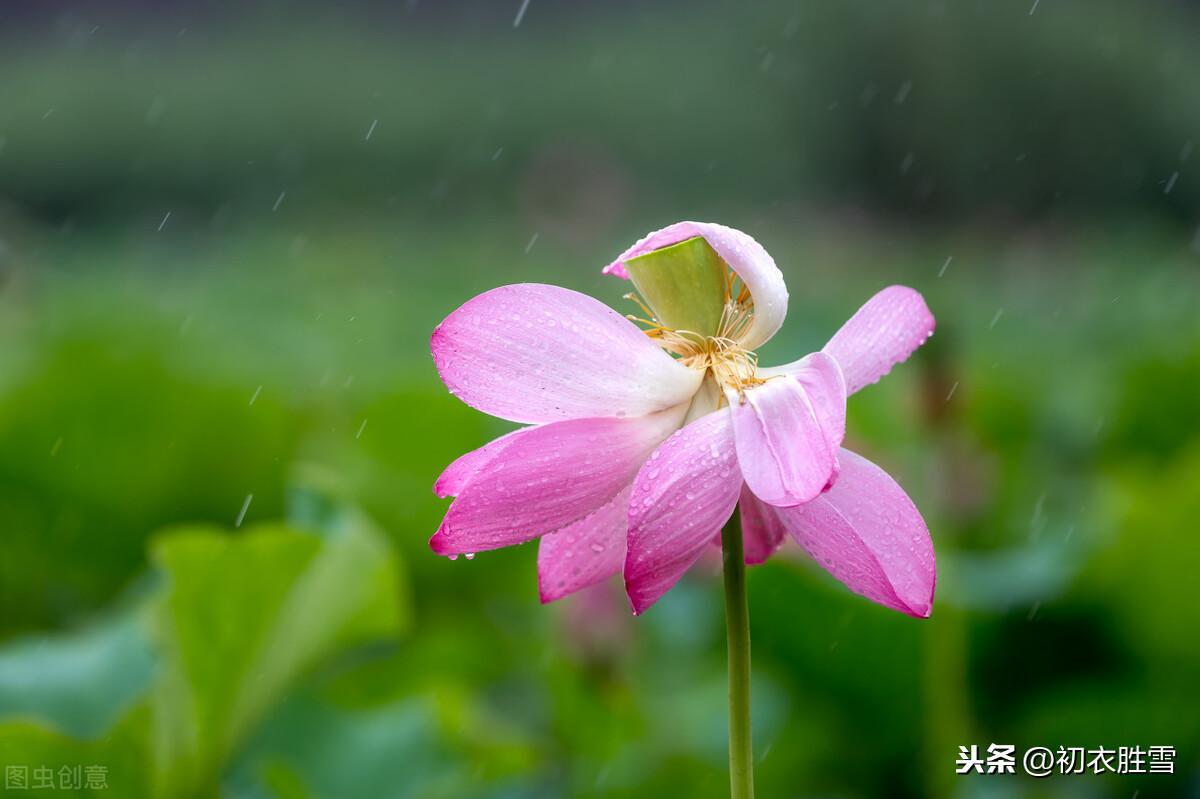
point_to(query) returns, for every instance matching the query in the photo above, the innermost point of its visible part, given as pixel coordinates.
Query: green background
(227, 231)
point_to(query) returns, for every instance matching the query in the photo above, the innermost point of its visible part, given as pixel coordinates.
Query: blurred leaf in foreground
(231, 626)
(81, 682)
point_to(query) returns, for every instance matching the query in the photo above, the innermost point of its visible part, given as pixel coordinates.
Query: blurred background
(228, 229)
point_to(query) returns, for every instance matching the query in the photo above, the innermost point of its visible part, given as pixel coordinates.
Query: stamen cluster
(731, 364)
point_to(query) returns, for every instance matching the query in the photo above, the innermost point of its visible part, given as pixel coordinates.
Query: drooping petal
(788, 431)
(867, 533)
(454, 478)
(584, 553)
(884, 332)
(762, 529)
(681, 498)
(821, 377)
(745, 256)
(537, 353)
(548, 478)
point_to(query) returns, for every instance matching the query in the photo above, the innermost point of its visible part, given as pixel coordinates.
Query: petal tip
(439, 543)
(437, 350)
(638, 603)
(616, 269)
(550, 592)
(927, 321)
(641, 596)
(925, 610)
(437, 335)
(833, 476)
(885, 331)
(793, 499)
(922, 611)
(919, 606)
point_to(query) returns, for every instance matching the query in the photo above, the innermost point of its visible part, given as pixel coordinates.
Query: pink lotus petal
(454, 478)
(745, 256)
(788, 431)
(762, 530)
(537, 353)
(884, 332)
(548, 478)
(585, 553)
(681, 498)
(867, 533)
(821, 377)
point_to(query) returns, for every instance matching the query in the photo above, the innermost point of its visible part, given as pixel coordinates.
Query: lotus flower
(644, 439)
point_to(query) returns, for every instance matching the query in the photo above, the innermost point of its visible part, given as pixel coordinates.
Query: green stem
(737, 625)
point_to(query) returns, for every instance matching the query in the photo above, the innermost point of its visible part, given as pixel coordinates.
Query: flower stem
(737, 625)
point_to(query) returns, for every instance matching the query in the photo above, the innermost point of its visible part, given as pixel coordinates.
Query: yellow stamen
(633, 297)
(732, 365)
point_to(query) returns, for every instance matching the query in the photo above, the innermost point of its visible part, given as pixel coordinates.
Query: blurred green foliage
(165, 692)
(221, 256)
(945, 110)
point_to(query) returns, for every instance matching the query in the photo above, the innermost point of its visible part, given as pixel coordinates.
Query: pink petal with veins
(454, 478)
(682, 497)
(882, 333)
(585, 553)
(548, 478)
(536, 353)
(762, 530)
(867, 533)
(788, 431)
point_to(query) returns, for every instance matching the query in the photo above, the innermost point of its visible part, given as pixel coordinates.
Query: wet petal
(538, 353)
(745, 256)
(823, 383)
(584, 553)
(681, 498)
(867, 533)
(454, 478)
(788, 431)
(762, 530)
(548, 478)
(884, 332)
